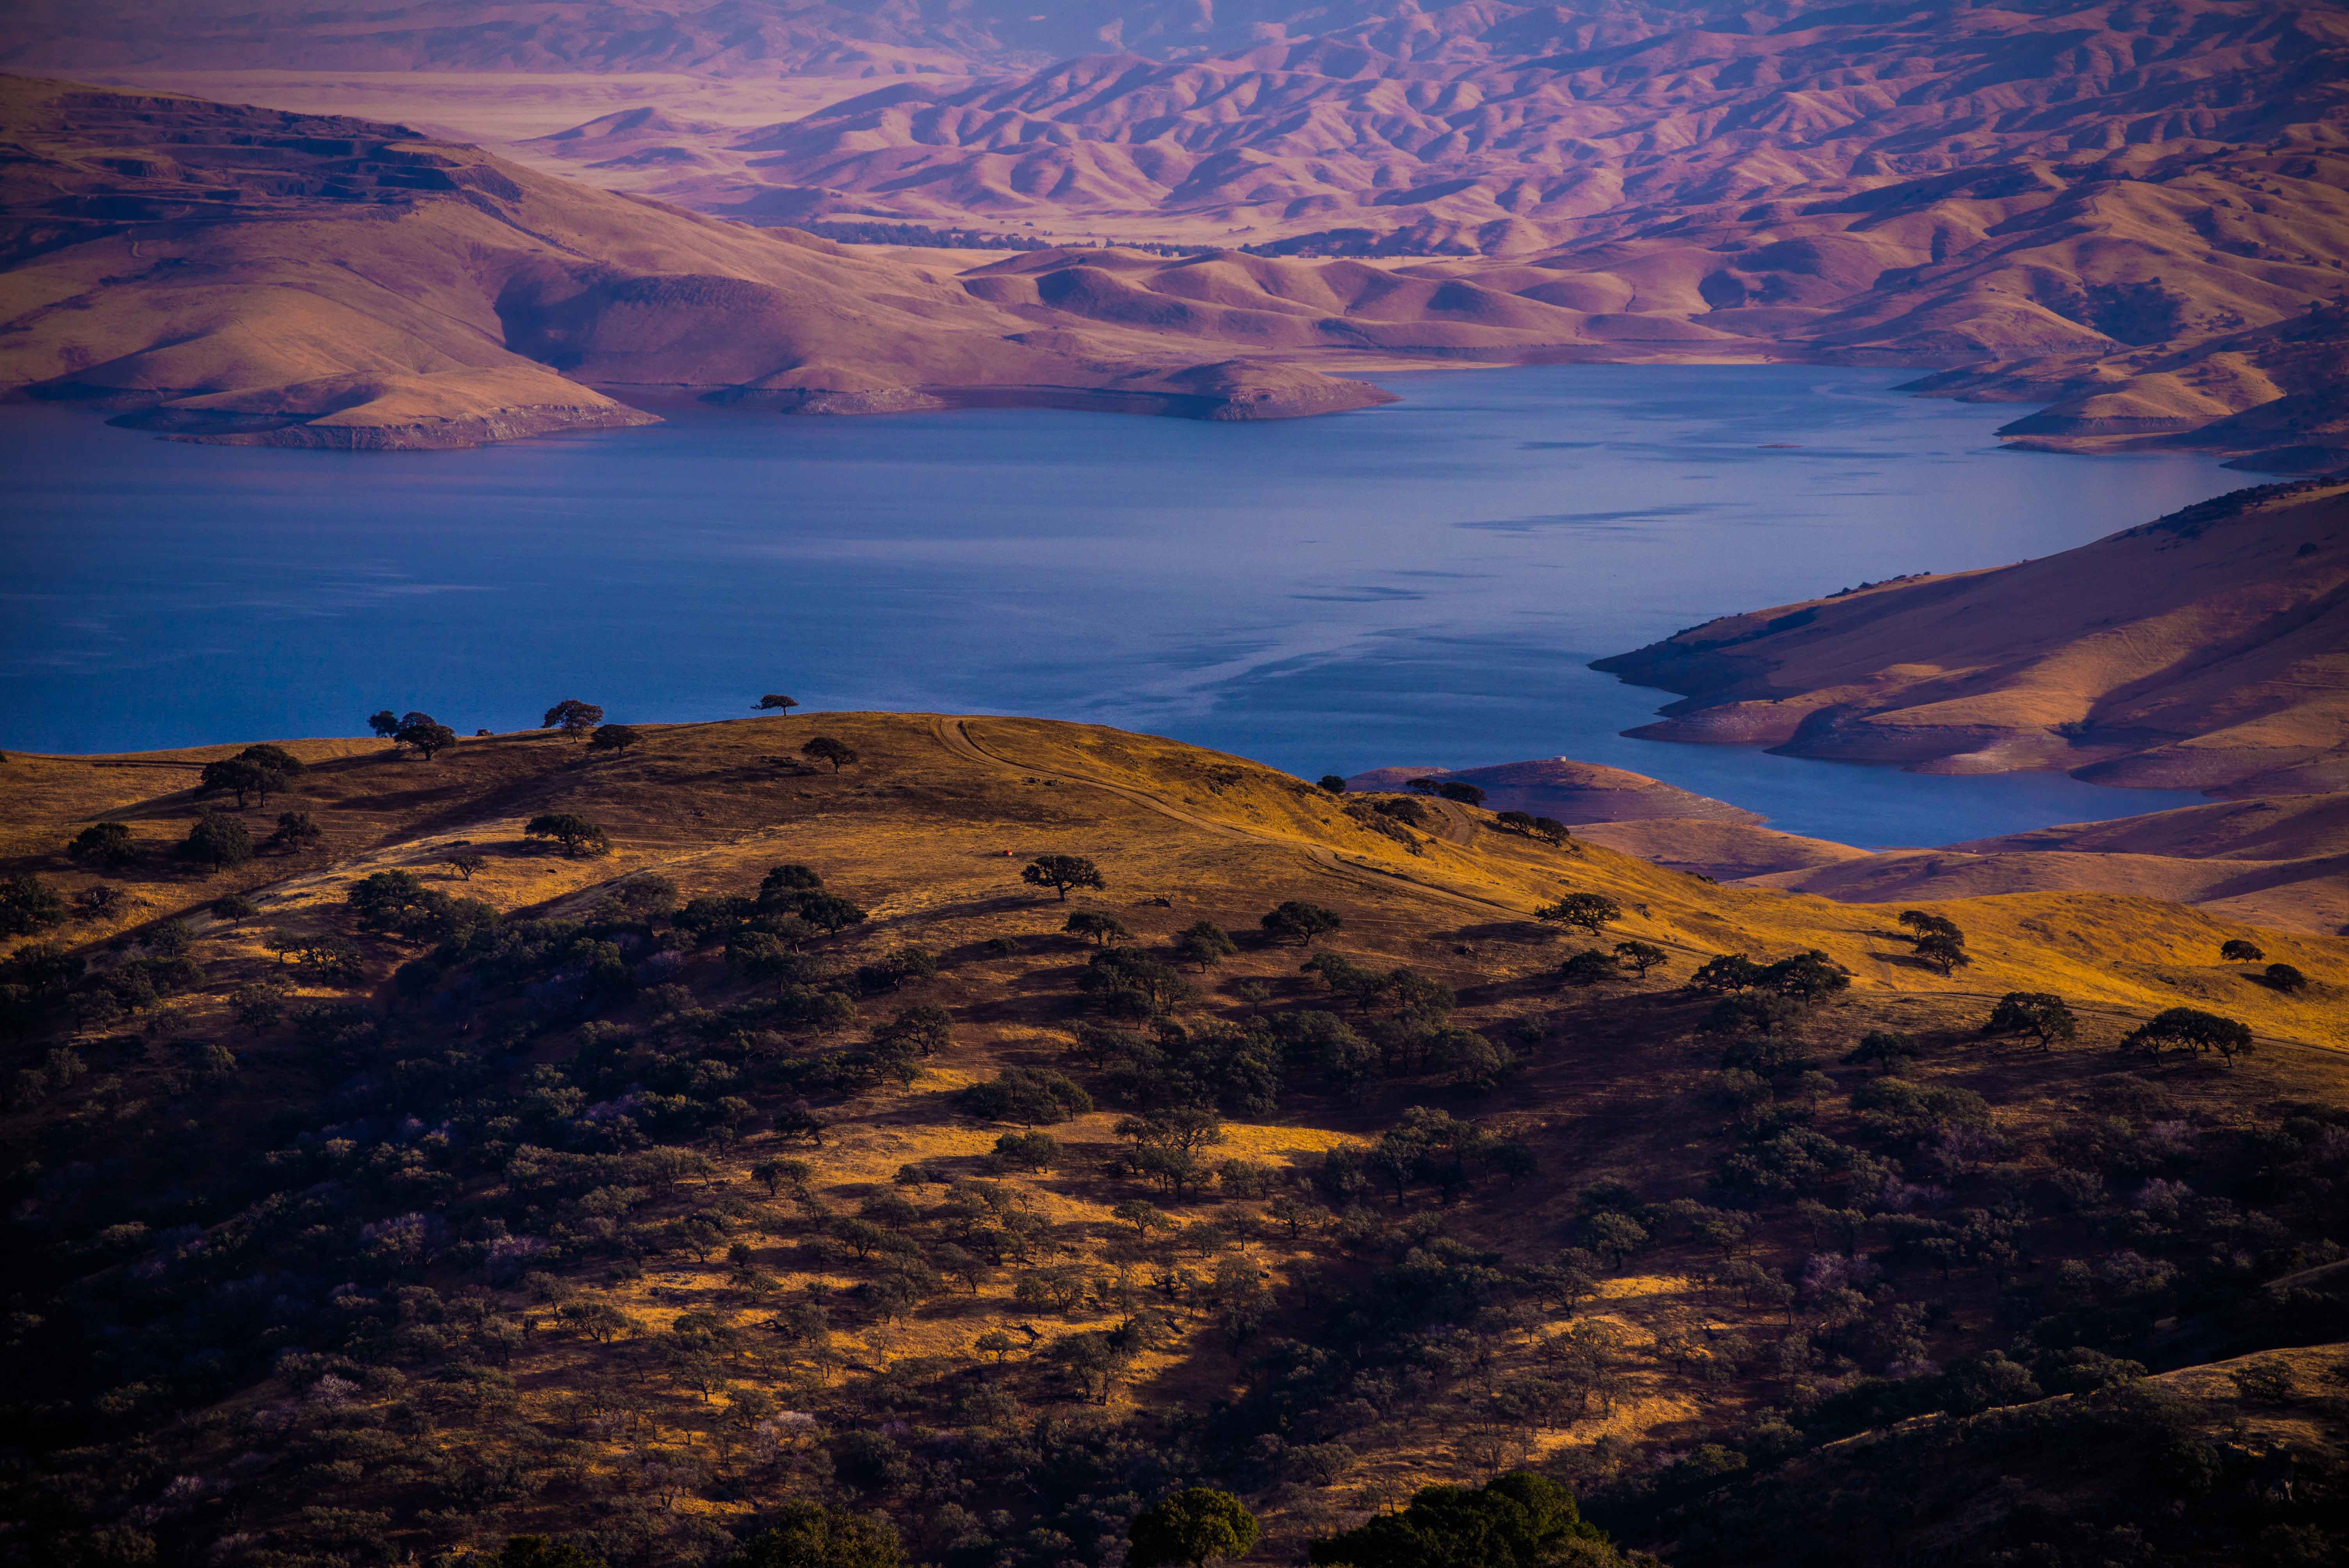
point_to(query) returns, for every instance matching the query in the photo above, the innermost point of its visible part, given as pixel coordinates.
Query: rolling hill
(411, 1185)
(2281, 862)
(2102, 206)
(2290, 868)
(738, 39)
(2128, 209)
(2202, 650)
(247, 275)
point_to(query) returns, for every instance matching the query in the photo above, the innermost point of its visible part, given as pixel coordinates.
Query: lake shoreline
(1327, 595)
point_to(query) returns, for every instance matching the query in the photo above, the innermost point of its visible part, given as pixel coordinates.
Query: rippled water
(1421, 583)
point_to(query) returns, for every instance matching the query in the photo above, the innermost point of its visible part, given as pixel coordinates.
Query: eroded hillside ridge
(246, 276)
(1523, 122)
(955, 1137)
(2126, 209)
(2202, 650)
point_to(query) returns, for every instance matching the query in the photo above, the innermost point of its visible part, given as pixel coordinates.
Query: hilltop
(2280, 861)
(411, 1183)
(2200, 651)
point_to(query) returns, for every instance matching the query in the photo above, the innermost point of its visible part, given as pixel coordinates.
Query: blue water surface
(1422, 583)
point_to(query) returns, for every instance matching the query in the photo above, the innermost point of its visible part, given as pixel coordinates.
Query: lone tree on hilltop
(1195, 1526)
(612, 740)
(1335, 783)
(1594, 912)
(1061, 873)
(1464, 794)
(575, 835)
(1425, 786)
(2042, 1014)
(385, 723)
(2235, 949)
(425, 733)
(1639, 957)
(572, 717)
(777, 703)
(104, 845)
(824, 748)
(1301, 923)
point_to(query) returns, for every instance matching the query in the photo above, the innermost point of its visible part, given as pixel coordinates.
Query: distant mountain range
(2126, 209)
(740, 38)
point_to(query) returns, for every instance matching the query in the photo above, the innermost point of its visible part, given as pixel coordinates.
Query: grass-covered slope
(410, 1185)
(2202, 650)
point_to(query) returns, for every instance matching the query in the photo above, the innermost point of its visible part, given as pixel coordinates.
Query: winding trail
(1459, 823)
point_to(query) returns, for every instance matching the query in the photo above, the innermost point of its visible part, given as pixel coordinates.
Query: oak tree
(104, 845)
(574, 833)
(824, 748)
(1061, 872)
(1638, 956)
(425, 734)
(2042, 1014)
(1594, 912)
(572, 717)
(1301, 923)
(1194, 1527)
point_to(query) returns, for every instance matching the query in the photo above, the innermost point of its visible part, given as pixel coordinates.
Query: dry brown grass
(928, 830)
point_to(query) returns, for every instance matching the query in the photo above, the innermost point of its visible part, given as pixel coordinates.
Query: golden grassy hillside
(702, 804)
(2201, 651)
(633, 1384)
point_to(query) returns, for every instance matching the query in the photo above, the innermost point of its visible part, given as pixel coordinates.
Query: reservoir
(1422, 583)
